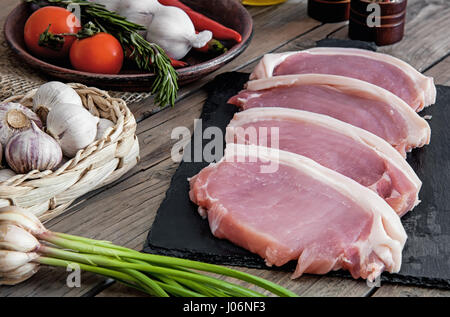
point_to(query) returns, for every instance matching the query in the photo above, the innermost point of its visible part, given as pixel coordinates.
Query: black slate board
(179, 231)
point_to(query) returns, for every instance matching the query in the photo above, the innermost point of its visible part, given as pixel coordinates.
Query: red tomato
(60, 21)
(101, 53)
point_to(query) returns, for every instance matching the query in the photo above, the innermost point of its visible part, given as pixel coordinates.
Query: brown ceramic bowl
(228, 12)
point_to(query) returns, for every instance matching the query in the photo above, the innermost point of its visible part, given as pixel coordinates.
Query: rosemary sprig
(147, 56)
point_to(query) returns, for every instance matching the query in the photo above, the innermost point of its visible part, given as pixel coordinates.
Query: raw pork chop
(349, 150)
(356, 102)
(300, 211)
(380, 69)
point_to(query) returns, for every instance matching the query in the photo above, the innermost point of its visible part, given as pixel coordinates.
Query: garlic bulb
(169, 27)
(32, 150)
(51, 95)
(172, 29)
(6, 174)
(15, 118)
(74, 128)
(103, 125)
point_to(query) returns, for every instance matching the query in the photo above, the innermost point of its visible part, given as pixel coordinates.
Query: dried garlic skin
(15, 118)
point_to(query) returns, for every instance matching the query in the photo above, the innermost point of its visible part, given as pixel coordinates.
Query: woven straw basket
(47, 194)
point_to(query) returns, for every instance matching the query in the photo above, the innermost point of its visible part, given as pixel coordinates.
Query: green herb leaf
(147, 56)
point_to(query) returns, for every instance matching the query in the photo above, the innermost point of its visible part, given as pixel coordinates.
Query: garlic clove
(19, 275)
(74, 128)
(15, 118)
(102, 127)
(23, 219)
(51, 95)
(12, 260)
(15, 238)
(32, 150)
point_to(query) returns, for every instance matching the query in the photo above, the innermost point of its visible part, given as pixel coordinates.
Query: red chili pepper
(202, 23)
(213, 46)
(178, 64)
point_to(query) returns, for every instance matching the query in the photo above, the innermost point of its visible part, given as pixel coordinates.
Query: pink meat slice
(379, 69)
(350, 100)
(300, 211)
(353, 152)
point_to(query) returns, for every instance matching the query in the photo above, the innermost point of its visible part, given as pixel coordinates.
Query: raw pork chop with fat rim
(350, 100)
(300, 211)
(380, 69)
(351, 151)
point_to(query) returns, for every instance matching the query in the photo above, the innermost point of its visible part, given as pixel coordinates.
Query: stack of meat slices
(314, 168)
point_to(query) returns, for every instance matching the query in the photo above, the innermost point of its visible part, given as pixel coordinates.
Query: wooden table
(124, 211)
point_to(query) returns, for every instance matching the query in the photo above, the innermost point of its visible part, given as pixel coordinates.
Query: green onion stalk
(25, 244)
(147, 56)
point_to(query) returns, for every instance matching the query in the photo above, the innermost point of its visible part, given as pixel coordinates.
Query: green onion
(153, 274)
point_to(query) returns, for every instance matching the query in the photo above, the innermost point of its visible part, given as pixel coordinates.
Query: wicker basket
(47, 194)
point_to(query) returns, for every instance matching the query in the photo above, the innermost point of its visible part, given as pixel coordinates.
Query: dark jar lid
(329, 11)
(386, 7)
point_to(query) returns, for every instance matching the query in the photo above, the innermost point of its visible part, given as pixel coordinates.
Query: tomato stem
(52, 41)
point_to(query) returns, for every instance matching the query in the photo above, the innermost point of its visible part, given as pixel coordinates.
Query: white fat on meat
(299, 211)
(380, 69)
(350, 100)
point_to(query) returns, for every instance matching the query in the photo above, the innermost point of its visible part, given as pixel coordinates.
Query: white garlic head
(103, 125)
(51, 95)
(15, 118)
(73, 127)
(172, 29)
(31, 150)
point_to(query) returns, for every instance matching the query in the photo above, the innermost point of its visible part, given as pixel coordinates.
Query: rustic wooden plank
(126, 221)
(440, 72)
(303, 42)
(7, 6)
(425, 40)
(120, 290)
(389, 290)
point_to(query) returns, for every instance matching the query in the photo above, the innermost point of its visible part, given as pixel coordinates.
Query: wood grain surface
(123, 212)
